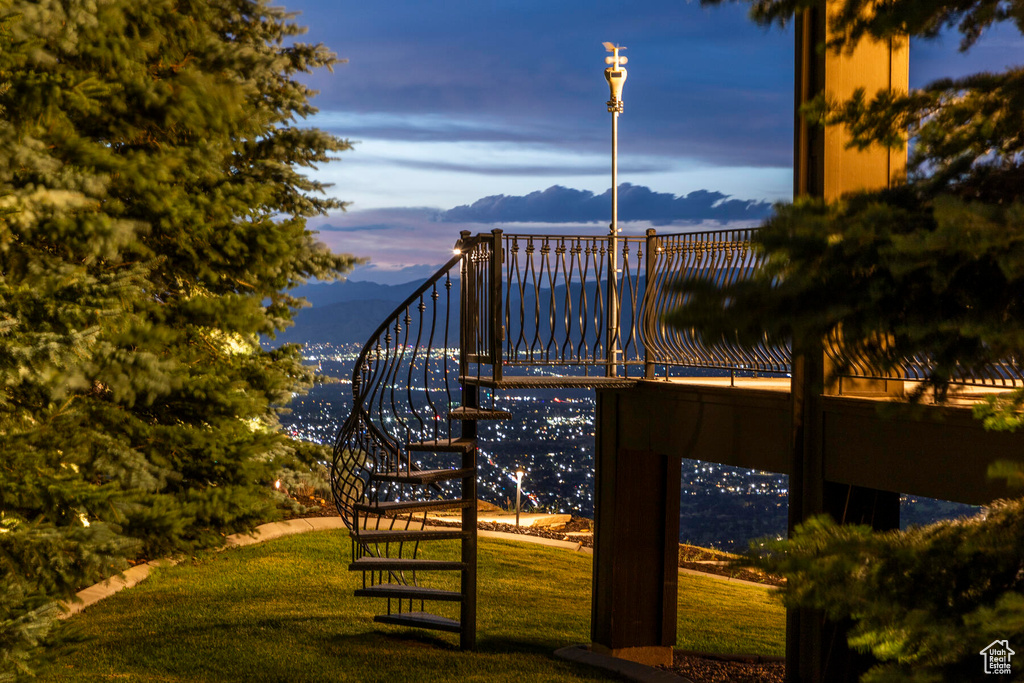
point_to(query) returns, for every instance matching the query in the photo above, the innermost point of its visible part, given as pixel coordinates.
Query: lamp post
(615, 74)
(520, 473)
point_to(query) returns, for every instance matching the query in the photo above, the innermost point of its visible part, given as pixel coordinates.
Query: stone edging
(575, 546)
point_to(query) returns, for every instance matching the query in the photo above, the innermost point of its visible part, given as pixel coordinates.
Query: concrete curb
(744, 582)
(272, 530)
(575, 546)
(581, 654)
(93, 594)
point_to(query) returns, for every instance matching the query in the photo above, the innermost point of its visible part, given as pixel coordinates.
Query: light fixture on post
(520, 473)
(615, 74)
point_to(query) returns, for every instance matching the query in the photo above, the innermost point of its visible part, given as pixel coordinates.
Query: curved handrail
(390, 407)
(721, 256)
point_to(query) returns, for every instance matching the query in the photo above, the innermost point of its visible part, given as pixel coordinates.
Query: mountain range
(343, 312)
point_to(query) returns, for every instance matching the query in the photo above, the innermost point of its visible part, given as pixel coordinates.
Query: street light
(520, 473)
(615, 74)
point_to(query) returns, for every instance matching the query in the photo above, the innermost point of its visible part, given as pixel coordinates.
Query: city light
(552, 441)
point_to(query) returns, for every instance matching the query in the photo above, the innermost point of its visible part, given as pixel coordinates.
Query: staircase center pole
(469, 327)
(467, 612)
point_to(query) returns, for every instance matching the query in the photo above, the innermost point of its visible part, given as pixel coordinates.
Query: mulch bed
(733, 572)
(705, 668)
(312, 506)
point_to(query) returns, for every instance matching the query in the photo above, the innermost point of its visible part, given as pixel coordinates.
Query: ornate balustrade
(548, 301)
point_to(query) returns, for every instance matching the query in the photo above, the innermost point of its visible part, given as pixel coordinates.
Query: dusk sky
(453, 104)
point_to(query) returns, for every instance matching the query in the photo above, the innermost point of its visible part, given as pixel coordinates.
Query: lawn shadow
(510, 643)
(489, 644)
(399, 639)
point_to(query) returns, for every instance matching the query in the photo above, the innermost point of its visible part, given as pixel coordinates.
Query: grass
(693, 553)
(729, 618)
(284, 611)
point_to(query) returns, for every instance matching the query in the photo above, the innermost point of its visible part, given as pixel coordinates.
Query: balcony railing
(548, 301)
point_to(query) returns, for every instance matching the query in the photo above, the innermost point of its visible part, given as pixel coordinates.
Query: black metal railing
(559, 305)
(548, 300)
(721, 256)
(1003, 374)
(404, 384)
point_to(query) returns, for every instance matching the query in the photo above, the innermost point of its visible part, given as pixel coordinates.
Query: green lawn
(284, 611)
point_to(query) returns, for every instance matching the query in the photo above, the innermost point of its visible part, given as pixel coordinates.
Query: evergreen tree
(151, 179)
(925, 601)
(933, 269)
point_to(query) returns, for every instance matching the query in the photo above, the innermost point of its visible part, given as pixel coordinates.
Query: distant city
(551, 436)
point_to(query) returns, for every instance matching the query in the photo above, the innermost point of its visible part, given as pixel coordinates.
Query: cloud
(409, 243)
(520, 170)
(427, 127)
(368, 227)
(704, 84)
(375, 220)
(559, 204)
(392, 238)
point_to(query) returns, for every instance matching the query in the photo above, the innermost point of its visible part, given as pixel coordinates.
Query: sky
(468, 116)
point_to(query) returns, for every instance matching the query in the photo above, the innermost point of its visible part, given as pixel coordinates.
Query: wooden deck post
(816, 650)
(636, 554)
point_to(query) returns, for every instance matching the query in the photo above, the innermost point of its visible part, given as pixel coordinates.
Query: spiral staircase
(505, 312)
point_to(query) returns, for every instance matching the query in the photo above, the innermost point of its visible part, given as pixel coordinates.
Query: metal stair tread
(412, 505)
(464, 413)
(405, 592)
(401, 535)
(460, 445)
(374, 564)
(420, 620)
(422, 476)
